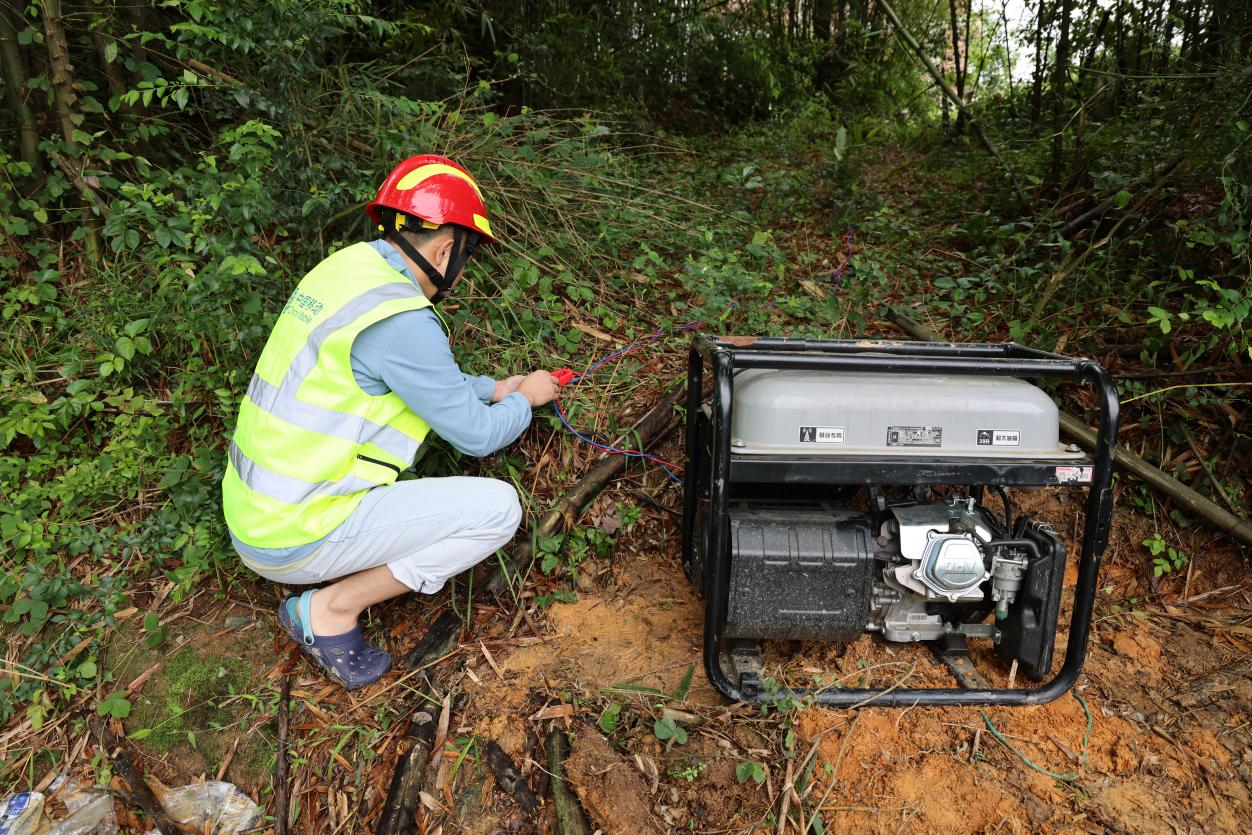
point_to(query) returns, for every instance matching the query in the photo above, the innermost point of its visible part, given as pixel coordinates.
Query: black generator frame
(727, 355)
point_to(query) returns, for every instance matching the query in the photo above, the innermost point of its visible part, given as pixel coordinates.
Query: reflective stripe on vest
(281, 401)
(309, 441)
(287, 489)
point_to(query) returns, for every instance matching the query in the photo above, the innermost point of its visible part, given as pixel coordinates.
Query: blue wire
(578, 378)
(615, 450)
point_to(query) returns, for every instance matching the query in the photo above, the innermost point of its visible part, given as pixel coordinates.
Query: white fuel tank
(940, 415)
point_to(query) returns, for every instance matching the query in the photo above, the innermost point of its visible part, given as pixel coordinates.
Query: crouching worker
(356, 372)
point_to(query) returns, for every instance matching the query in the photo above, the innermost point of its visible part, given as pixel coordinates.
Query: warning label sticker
(914, 436)
(999, 437)
(822, 434)
(1073, 475)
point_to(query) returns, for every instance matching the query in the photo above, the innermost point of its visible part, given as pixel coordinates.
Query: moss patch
(199, 704)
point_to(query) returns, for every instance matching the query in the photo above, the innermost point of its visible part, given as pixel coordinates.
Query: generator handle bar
(887, 346)
(1007, 360)
(870, 363)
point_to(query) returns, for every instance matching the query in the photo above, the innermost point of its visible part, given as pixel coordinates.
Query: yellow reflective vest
(309, 441)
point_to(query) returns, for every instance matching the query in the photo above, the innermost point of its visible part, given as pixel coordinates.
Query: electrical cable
(1064, 776)
(670, 469)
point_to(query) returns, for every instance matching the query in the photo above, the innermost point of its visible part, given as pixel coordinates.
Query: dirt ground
(1167, 686)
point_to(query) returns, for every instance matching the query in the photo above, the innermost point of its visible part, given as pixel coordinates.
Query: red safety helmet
(436, 190)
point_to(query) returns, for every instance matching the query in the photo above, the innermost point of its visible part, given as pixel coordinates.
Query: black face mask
(464, 245)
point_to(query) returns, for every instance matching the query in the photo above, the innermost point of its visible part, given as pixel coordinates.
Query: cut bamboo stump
(406, 785)
(570, 819)
(510, 779)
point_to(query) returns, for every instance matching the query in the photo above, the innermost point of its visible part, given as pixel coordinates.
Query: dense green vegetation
(171, 169)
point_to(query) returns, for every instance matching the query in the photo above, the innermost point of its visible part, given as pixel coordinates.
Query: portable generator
(835, 488)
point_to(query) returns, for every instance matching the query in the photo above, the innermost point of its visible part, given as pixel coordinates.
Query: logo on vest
(303, 306)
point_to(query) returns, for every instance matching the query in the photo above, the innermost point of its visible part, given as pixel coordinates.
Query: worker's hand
(540, 387)
(506, 387)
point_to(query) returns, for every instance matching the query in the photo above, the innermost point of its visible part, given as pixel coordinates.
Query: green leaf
(136, 327)
(115, 705)
(684, 686)
(110, 52)
(669, 729)
(87, 669)
(151, 622)
(1122, 198)
(140, 734)
(750, 771)
(608, 719)
(549, 544)
(124, 347)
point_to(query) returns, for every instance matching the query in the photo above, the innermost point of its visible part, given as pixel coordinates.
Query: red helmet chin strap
(464, 243)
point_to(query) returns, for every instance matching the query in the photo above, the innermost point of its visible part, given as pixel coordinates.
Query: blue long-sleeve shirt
(409, 354)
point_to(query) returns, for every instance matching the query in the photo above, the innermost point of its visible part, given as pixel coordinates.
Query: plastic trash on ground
(20, 813)
(213, 807)
(90, 811)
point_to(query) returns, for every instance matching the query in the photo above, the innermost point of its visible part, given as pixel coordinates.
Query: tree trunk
(823, 11)
(1143, 37)
(61, 71)
(956, 64)
(1060, 86)
(1167, 51)
(13, 63)
(100, 39)
(1092, 48)
(61, 77)
(1036, 91)
(1008, 58)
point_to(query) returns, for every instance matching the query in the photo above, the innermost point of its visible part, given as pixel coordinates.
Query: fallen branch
(445, 630)
(1192, 501)
(1073, 261)
(1097, 211)
(510, 779)
(280, 768)
(406, 785)
(139, 794)
(570, 819)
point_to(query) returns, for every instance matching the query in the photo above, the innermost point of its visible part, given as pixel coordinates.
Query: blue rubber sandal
(346, 658)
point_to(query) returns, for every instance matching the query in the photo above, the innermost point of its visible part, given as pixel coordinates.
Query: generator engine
(921, 571)
(837, 488)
